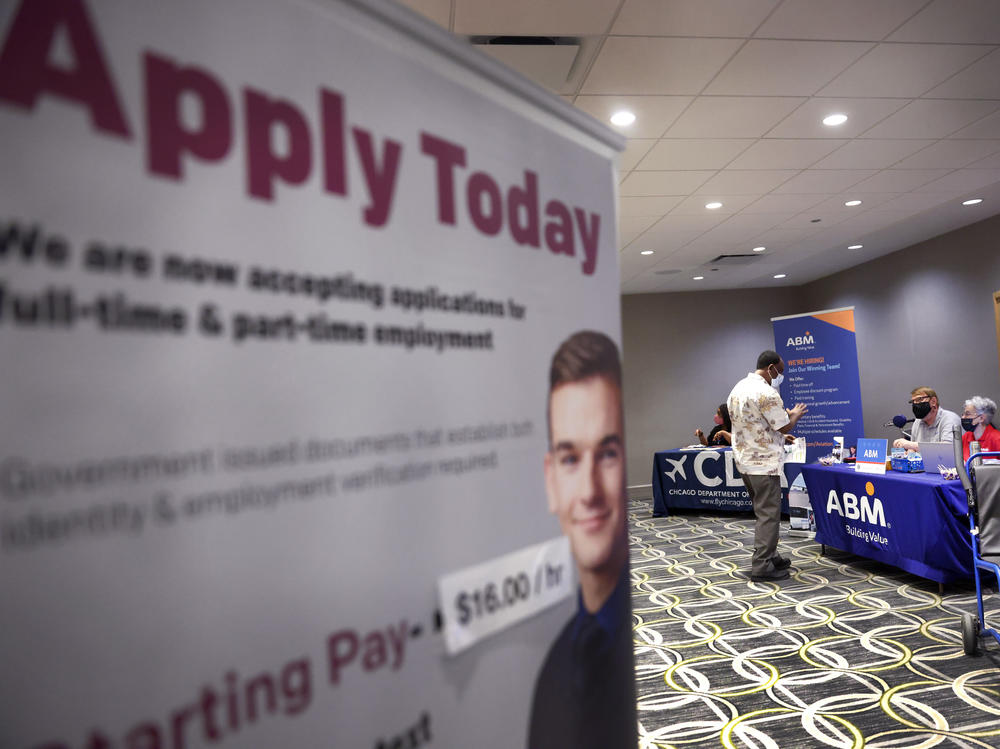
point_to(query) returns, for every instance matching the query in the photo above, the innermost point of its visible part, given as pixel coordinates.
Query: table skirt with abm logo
(705, 479)
(915, 521)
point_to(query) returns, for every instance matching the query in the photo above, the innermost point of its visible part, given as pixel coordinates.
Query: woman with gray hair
(976, 418)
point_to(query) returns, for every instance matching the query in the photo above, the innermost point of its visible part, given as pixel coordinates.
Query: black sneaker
(769, 574)
(780, 562)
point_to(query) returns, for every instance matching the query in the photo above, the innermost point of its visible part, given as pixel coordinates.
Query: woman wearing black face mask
(721, 434)
(976, 418)
(933, 423)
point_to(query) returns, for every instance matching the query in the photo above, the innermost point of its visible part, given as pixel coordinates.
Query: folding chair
(982, 489)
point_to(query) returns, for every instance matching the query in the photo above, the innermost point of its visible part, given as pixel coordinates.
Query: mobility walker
(982, 489)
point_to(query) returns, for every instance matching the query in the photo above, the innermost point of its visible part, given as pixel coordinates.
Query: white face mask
(778, 379)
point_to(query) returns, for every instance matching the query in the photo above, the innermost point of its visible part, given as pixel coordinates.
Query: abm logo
(801, 340)
(866, 508)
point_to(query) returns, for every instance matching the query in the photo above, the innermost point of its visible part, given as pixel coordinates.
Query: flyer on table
(280, 288)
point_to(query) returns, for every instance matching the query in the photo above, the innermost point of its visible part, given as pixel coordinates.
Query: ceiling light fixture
(835, 119)
(622, 118)
(852, 203)
(855, 246)
(759, 249)
(698, 278)
(646, 252)
(973, 201)
(714, 205)
(780, 275)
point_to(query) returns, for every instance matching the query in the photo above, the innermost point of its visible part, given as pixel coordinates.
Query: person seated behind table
(976, 423)
(932, 423)
(722, 433)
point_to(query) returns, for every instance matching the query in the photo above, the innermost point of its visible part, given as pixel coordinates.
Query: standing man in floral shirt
(760, 425)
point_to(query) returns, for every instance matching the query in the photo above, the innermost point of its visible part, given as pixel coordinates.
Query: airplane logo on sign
(678, 468)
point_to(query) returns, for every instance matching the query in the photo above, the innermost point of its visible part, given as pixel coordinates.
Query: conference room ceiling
(729, 97)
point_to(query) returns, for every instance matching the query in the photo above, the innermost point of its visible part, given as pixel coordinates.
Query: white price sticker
(481, 600)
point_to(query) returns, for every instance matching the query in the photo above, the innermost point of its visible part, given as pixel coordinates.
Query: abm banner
(821, 370)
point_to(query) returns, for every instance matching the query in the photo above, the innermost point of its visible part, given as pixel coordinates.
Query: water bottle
(973, 449)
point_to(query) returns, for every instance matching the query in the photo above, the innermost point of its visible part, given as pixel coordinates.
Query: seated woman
(721, 435)
(976, 421)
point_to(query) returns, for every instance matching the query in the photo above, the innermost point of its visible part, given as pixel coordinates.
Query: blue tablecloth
(705, 479)
(915, 521)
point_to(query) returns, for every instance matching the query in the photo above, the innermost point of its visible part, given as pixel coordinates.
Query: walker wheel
(970, 634)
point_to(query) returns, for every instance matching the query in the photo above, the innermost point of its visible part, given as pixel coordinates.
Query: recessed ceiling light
(759, 249)
(622, 118)
(835, 119)
(780, 275)
(646, 252)
(698, 278)
(714, 205)
(973, 201)
(855, 246)
(852, 203)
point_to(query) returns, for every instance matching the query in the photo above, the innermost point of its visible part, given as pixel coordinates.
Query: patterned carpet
(845, 653)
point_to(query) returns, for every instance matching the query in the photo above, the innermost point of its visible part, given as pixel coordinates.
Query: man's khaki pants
(765, 496)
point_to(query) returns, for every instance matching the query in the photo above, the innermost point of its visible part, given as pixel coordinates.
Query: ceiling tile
(868, 201)
(806, 221)
(990, 162)
(735, 230)
(807, 120)
(531, 18)
(657, 206)
(784, 68)
(695, 205)
(665, 238)
(776, 239)
(958, 21)
(784, 154)
(873, 154)
(898, 180)
(653, 114)
(907, 70)
(663, 183)
(634, 151)
(790, 204)
(747, 182)
(872, 221)
(932, 118)
(978, 81)
(988, 127)
(915, 201)
(823, 181)
(692, 17)
(950, 154)
(732, 116)
(627, 236)
(649, 65)
(631, 263)
(439, 11)
(963, 180)
(842, 19)
(693, 154)
(680, 224)
(635, 225)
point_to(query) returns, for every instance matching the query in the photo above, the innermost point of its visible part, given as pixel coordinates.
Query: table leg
(941, 589)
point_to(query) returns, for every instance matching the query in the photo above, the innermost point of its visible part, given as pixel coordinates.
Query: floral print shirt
(757, 413)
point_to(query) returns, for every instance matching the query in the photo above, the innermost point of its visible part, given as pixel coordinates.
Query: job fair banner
(821, 371)
(280, 284)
